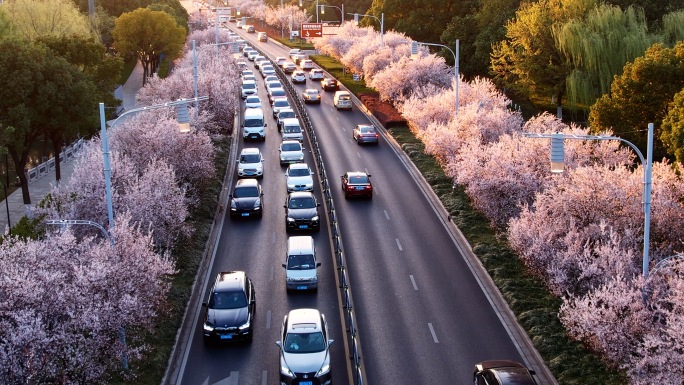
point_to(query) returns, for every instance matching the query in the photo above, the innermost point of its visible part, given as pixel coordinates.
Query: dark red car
(329, 84)
(357, 184)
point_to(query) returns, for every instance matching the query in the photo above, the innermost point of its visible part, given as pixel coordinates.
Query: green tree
(173, 8)
(673, 28)
(598, 47)
(528, 60)
(672, 129)
(478, 30)
(641, 95)
(6, 26)
(147, 34)
(422, 20)
(33, 18)
(40, 90)
(90, 57)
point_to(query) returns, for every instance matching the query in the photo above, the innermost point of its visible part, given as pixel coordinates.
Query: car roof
(249, 150)
(304, 320)
(230, 281)
(299, 165)
(301, 194)
(356, 173)
(246, 182)
(290, 121)
(289, 141)
(248, 81)
(286, 109)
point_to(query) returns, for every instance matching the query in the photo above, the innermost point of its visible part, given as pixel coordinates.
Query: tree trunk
(19, 169)
(57, 144)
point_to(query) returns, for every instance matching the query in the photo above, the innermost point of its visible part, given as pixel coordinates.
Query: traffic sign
(312, 30)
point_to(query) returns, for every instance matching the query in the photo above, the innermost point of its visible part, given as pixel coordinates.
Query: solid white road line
(264, 377)
(432, 330)
(398, 244)
(268, 320)
(413, 281)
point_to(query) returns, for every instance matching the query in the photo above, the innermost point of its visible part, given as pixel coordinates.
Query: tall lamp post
(557, 160)
(381, 20)
(323, 6)
(414, 53)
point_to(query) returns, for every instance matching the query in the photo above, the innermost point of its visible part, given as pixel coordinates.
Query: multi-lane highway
(423, 317)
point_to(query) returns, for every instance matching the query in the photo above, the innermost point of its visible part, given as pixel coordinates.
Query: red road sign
(312, 30)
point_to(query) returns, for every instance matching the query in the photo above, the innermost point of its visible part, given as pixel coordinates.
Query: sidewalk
(41, 187)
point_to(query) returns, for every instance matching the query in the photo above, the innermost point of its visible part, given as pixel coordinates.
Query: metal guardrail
(345, 290)
(46, 167)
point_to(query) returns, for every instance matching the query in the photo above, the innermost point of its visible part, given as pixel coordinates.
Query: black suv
(231, 308)
(502, 372)
(301, 212)
(247, 199)
(329, 84)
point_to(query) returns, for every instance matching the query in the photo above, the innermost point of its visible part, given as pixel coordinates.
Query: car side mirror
(265, 124)
(284, 265)
(285, 206)
(204, 304)
(318, 204)
(318, 264)
(330, 342)
(230, 196)
(280, 344)
(369, 175)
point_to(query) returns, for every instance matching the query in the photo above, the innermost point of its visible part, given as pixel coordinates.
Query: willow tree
(34, 18)
(673, 28)
(528, 60)
(672, 130)
(598, 47)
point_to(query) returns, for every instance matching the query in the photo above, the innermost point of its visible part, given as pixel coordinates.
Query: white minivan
(300, 264)
(342, 100)
(254, 124)
(291, 129)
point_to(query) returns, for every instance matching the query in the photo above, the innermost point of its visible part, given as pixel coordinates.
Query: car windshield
(312, 92)
(278, 92)
(299, 172)
(358, 179)
(253, 99)
(250, 158)
(302, 203)
(292, 129)
(274, 85)
(281, 103)
(287, 114)
(304, 343)
(228, 300)
(249, 86)
(246, 192)
(291, 147)
(301, 262)
(254, 122)
(268, 68)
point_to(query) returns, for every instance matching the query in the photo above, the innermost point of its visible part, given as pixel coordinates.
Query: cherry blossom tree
(64, 300)
(338, 45)
(401, 77)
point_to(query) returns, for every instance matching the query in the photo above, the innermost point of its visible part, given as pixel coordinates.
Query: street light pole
(414, 51)
(381, 20)
(323, 6)
(557, 166)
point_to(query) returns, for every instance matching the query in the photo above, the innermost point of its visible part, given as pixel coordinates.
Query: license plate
(226, 336)
(303, 226)
(359, 188)
(254, 136)
(301, 288)
(305, 382)
(245, 214)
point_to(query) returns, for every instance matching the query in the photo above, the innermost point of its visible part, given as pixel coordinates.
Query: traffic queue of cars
(231, 305)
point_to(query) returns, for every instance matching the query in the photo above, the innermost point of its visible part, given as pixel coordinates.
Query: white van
(254, 125)
(291, 129)
(342, 100)
(262, 36)
(300, 264)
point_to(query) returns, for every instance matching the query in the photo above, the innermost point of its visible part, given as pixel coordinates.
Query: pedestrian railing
(48, 166)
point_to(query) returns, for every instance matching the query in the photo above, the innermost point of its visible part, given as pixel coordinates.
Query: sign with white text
(312, 30)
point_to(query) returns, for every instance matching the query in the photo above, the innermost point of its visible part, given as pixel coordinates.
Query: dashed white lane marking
(268, 320)
(413, 281)
(386, 215)
(398, 244)
(432, 331)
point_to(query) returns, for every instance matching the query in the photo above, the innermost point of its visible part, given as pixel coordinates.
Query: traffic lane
(258, 247)
(417, 231)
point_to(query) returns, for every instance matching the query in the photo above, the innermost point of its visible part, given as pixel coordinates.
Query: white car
(267, 70)
(278, 104)
(283, 114)
(271, 78)
(291, 151)
(273, 84)
(298, 77)
(259, 60)
(253, 101)
(304, 348)
(316, 74)
(289, 67)
(306, 64)
(250, 163)
(247, 72)
(248, 77)
(299, 177)
(249, 87)
(293, 52)
(279, 60)
(252, 55)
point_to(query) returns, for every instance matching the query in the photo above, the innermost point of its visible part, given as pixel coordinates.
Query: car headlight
(285, 371)
(290, 279)
(315, 219)
(233, 205)
(323, 370)
(208, 327)
(290, 219)
(244, 326)
(257, 204)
